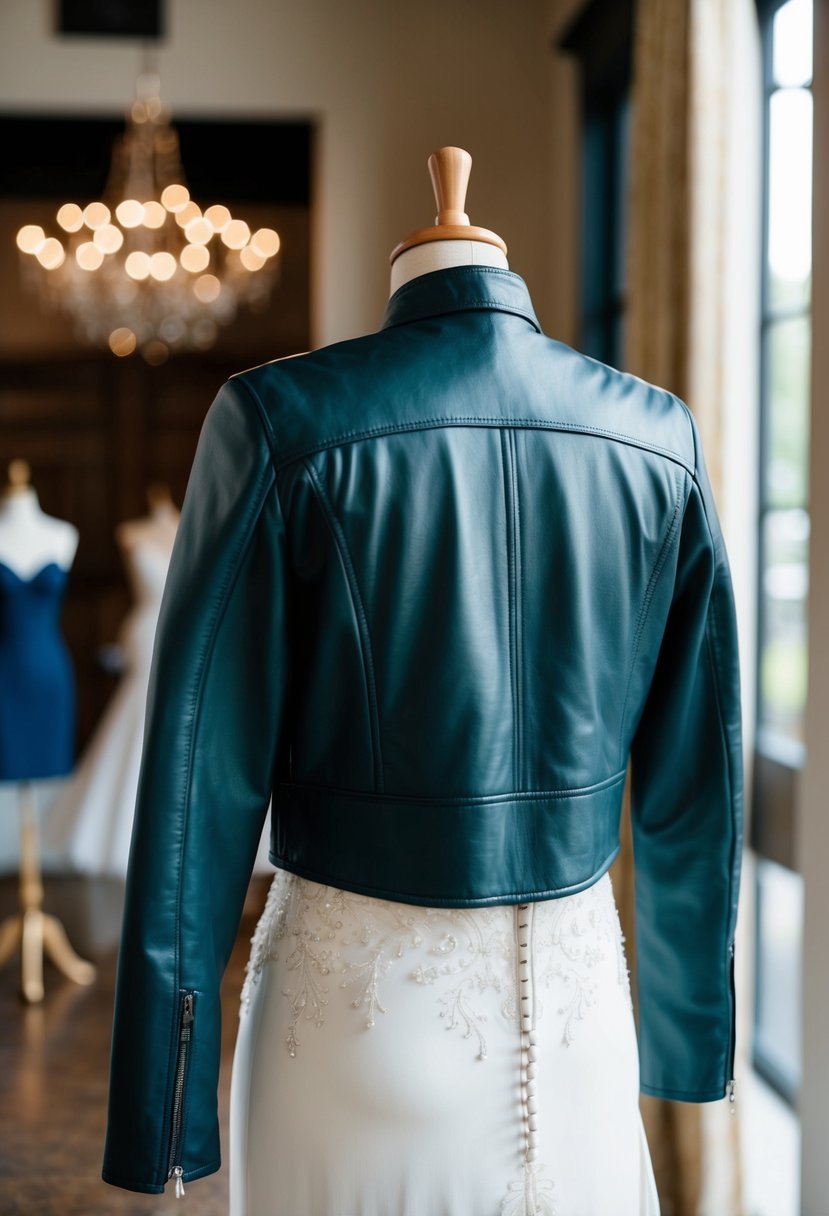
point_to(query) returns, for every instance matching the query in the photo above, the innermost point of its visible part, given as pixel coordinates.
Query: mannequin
(418, 1144)
(30, 539)
(90, 823)
(158, 527)
(37, 708)
(452, 241)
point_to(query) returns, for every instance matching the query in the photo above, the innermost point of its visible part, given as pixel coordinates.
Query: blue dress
(37, 683)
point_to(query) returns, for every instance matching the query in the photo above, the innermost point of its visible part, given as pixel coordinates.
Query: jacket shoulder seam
(480, 420)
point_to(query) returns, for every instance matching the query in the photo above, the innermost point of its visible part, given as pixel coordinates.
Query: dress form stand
(31, 542)
(158, 526)
(90, 822)
(452, 240)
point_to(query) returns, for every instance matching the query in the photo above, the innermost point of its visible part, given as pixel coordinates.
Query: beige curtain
(679, 216)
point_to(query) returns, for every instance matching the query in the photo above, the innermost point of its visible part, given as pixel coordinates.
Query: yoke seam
(484, 420)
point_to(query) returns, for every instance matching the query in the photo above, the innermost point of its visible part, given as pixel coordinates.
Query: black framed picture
(126, 18)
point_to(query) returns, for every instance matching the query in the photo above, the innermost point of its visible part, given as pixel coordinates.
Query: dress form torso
(436, 255)
(31, 539)
(37, 712)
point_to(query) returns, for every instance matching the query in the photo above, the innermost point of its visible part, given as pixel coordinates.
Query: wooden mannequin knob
(449, 169)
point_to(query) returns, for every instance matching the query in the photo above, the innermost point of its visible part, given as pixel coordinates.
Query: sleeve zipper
(174, 1167)
(730, 1084)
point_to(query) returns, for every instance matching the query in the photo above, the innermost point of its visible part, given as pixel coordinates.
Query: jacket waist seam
(454, 799)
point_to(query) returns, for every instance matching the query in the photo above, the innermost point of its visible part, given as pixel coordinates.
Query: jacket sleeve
(687, 819)
(212, 741)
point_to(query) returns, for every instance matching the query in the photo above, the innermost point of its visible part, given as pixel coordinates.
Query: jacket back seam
(519, 606)
(646, 601)
(510, 518)
(266, 475)
(363, 632)
(423, 424)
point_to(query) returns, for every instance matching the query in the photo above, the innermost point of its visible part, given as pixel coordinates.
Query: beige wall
(386, 83)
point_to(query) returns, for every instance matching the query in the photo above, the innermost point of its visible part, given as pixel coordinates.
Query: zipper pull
(188, 1009)
(732, 1097)
(178, 1170)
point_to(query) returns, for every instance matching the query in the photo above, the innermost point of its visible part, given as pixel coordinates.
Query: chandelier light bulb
(70, 217)
(207, 288)
(109, 239)
(199, 230)
(51, 253)
(250, 259)
(122, 341)
(190, 211)
(95, 215)
(265, 242)
(162, 266)
(195, 258)
(154, 214)
(163, 284)
(175, 197)
(218, 217)
(30, 238)
(88, 256)
(236, 234)
(137, 264)
(130, 213)
(155, 352)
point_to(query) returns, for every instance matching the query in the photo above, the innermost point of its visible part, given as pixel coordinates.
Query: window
(785, 337)
(601, 36)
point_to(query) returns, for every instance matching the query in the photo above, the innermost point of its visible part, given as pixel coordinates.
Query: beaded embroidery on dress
(464, 941)
(340, 946)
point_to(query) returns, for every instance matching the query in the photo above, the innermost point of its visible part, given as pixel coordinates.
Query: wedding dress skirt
(398, 1060)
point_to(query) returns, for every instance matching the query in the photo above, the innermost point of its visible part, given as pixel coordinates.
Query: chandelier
(144, 268)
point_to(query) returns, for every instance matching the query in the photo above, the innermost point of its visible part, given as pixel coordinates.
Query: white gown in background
(90, 822)
(398, 1060)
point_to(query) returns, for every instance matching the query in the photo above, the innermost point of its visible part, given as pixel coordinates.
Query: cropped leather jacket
(433, 589)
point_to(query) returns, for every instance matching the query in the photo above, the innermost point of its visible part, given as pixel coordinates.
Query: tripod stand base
(36, 932)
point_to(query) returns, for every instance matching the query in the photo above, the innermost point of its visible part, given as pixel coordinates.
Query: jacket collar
(456, 288)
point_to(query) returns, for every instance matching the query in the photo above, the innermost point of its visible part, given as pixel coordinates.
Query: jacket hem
(409, 897)
(154, 1188)
(455, 851)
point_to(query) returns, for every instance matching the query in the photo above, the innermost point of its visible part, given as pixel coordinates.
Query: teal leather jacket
(432, 588)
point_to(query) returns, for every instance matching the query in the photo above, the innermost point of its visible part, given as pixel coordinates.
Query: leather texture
(433, 589)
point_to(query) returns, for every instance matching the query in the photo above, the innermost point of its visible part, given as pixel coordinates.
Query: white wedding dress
(398, 1060)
